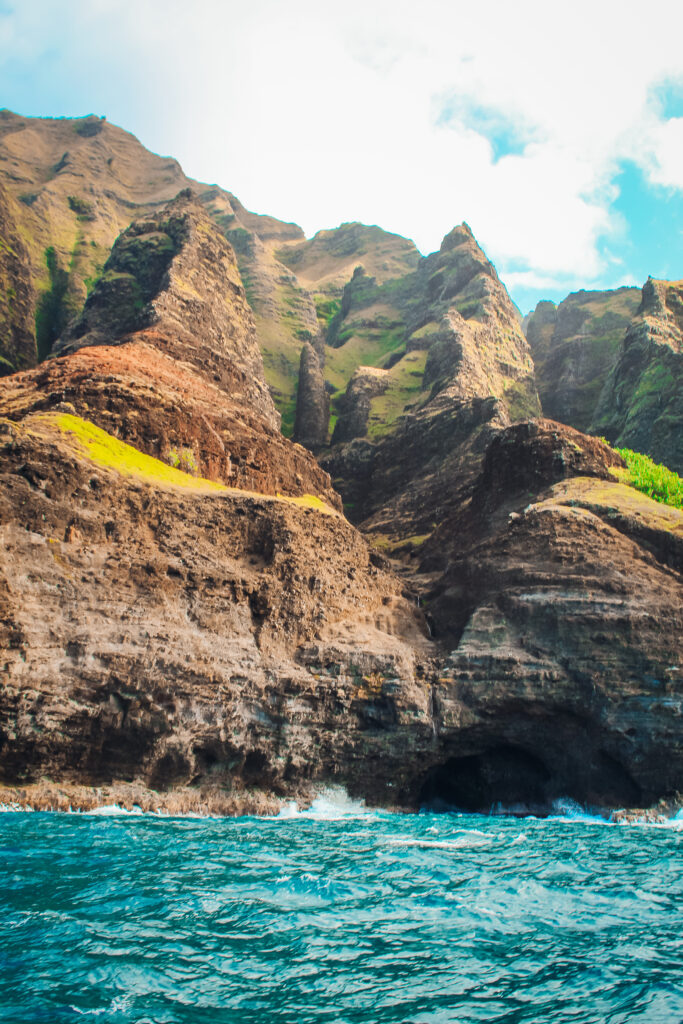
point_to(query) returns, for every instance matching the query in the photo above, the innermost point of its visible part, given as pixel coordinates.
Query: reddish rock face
(159, 405)
(174, 277)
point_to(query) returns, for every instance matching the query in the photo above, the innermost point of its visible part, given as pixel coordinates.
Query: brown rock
(174, 276)
(312, 402)
(17, 298)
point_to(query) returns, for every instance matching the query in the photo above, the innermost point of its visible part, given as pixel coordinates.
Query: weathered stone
(641, 404)
(312, 402)
(17, 298)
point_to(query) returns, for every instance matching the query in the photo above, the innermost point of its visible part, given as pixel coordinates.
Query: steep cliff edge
(77, 183)
(462, 370)
(641, 404)
(565, 597)
(210, 649)
(165, 356)
(574, 346)
(174, 277)
(17, 298)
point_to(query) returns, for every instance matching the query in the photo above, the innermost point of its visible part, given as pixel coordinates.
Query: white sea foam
(117, 1005)
(114, 811)
(331, 804)
(568, 810)
(464, 843)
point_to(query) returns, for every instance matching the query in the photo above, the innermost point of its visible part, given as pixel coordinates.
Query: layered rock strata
(218, 650)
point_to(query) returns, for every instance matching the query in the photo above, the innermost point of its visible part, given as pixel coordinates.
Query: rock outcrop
(77, 183)
(180, 635)
(466, 371)
(575, 346)
(312, 402)
(368, 382)
(327, 261)
(641, 404)
(566, 600)
(17, 298)
(244, 650)
(174, 277)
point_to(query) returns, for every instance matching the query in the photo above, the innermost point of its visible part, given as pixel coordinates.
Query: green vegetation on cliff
(107, 451)
(658, 482)
(50, 312)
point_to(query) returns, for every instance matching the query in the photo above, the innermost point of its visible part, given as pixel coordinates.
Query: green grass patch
(366, 346)
(109, 452)
(326, 308)
(81, 207)
(404, 389)
(658, 482)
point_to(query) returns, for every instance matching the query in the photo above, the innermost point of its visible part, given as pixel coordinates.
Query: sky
(554, 129)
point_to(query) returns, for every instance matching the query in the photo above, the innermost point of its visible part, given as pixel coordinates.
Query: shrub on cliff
(656, 481)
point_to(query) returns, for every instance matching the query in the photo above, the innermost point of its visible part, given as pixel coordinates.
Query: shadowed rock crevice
(499, 775)
(508, 777)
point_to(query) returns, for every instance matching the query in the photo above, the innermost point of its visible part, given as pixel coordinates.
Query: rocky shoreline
(136, 798)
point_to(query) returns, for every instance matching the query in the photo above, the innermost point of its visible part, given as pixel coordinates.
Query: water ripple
(339, 915)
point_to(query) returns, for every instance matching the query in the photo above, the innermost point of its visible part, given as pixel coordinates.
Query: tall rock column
(312, 402)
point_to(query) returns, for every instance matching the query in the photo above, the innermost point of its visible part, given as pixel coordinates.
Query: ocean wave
(115, 811)
(332, 803)
(464, 843)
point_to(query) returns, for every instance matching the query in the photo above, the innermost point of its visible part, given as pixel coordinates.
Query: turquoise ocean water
(339, 915)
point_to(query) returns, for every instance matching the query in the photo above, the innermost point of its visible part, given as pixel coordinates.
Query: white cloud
(321, 113)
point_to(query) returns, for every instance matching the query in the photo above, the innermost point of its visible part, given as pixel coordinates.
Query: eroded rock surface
(186, 618)
(17, 297)
(575, 346)
(244, 650)
(641, 404)
(175, 277)
(312, 401)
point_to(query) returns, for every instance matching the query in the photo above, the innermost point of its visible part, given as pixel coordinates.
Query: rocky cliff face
(463, 370)
(549, 600)
(17, 299)
(187, 620)
(574, 347)
(326, 262)
(77, 183)
(641, 404)
(165, 356)
(219, 650)
(174, 277)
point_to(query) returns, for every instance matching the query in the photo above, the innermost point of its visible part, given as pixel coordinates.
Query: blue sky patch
(667, 99)
(506, 137)
(653, 243)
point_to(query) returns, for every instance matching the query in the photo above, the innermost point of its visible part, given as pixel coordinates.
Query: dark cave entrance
(502, 774)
